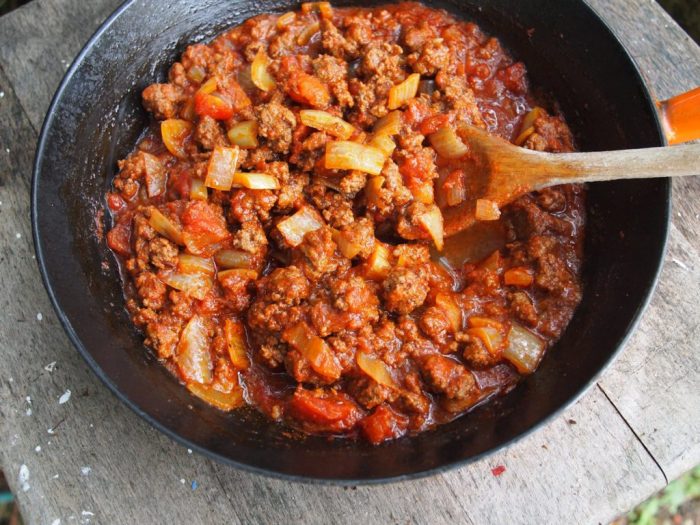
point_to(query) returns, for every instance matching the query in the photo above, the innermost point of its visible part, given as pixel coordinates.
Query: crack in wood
(634, 432)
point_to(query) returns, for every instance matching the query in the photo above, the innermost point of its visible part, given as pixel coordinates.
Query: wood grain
(591, 463)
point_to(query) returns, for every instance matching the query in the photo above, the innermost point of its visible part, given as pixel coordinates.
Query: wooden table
(88, 459)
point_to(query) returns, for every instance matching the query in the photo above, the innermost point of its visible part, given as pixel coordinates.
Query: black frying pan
(96, 118)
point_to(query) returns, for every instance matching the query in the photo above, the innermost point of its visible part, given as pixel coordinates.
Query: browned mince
(353, 324)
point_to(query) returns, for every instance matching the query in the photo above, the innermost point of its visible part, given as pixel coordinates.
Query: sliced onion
(447, 144)
(233, 259)
(244, 134)
(379, 263)
(155, 175)
(165, 226)
(175, 133)
(324, 121)
(487, 210)
(307, 33)
(490, 336)
(286, 19)
(221, 168)
(454, 189)
(347, 247)
(241, 273)
(225, 401)
(376, 369)
(373, 190)
(196, 285)
(259, 73)
(198, 191)
(403, 92)
(314, 349)
(390, 124)
(234, 333)
(193, 357)
(302, 222)
(255, 181)
(383, 142)
(525, 349)
(432, 222)
(345, 155)
(187, 263)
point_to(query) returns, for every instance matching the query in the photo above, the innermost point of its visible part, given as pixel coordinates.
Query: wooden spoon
(502, 172)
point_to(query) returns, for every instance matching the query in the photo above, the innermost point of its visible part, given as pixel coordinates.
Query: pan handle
(680, 116)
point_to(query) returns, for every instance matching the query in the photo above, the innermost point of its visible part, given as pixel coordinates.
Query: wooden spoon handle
(680, 117)
(678, 161)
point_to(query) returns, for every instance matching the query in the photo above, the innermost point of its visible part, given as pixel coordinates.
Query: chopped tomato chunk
(119, 239)
(383, 424)
(326, 412)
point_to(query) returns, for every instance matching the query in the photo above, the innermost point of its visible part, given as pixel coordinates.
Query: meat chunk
(276, 123)
(288, 286)
(334, 43)
(333, 72)
(162, 253)
(250, 237)
(522, 307)
(360, 233)
(334, 207)
(383, 60)
(448, 377)
(151, 290)
(433, 57)
(475, 352)
(319, 253)
(163, 100)
(404, 290)
(435, 324)
(163, 335)
(209, 134)
(551, 134)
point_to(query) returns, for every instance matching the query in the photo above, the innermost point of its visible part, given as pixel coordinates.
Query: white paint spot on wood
(64, 398)
(679, 263)
(39, 317)
(18, 235)
(85, 470)
(23, 477)
(50, 367)
(57, 521)
(37, 448)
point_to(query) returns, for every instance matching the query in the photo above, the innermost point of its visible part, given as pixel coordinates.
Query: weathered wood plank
(135, 472)
(40, 42)
(654, 383)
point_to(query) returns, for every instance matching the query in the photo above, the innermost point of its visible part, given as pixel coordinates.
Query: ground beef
(209, 134)
(448, 377)
(162, 253)
(334, 72)
(433, 57)
(151, 290)
(163, 100)
(250, 237)
(404, 290)
(276, 124)
(435, 325)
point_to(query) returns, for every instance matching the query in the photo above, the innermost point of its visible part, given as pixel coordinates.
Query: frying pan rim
(106, 380)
